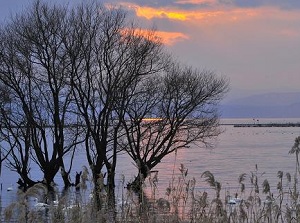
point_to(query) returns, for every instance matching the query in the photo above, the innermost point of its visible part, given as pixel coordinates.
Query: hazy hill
(271, 105)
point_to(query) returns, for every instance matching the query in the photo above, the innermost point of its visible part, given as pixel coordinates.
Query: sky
(254, 43)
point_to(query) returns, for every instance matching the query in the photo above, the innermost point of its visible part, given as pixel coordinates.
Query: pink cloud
(170, 38)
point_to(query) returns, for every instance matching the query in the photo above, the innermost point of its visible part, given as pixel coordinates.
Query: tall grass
(254, 201)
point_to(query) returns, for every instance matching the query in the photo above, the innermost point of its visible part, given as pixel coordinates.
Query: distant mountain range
(271, 105)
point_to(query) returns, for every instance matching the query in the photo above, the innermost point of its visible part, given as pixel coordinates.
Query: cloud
(253, 42)
(283, 4)
(196, 2)
(172, 13)
(167, 38)
(170, 38)
(214, 4)
(150, 13)
(193, 3)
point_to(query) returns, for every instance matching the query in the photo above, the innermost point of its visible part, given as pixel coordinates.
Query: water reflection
(237, 151)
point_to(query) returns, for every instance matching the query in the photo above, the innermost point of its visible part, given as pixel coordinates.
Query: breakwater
(268, 125)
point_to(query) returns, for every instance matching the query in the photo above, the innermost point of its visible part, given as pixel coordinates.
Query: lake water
(236, 151)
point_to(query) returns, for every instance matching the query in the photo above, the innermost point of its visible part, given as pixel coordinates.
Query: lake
(236, 151)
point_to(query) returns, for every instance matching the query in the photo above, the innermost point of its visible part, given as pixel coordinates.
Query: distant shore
(268, 125)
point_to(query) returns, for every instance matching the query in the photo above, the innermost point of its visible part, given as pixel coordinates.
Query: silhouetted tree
(35, 67)
(111, 56)
(4, 101)
(90, 69)
(182, 103)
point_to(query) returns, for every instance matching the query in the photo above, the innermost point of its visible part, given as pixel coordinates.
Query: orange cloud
(189, 15)
(170, 38)
(167, 38)
(150, 13)
(173, 14)
(228, 19)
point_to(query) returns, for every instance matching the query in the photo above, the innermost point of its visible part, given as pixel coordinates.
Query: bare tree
(4, 100)
(35, 67)
(15, 134)
(114, 56)
(88, 67)
(170, 112)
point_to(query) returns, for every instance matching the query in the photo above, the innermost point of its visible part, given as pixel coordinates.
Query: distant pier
(268, 125)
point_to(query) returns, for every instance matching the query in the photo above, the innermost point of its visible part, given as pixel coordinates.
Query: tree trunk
(66, 178)
(137, 184)
(25, 182)
(49, 175)
(111, 187)
(98, 178)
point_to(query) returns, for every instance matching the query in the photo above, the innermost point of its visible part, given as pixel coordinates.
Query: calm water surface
(236, 151)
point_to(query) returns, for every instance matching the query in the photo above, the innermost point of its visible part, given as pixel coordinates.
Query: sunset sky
(255, 43)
